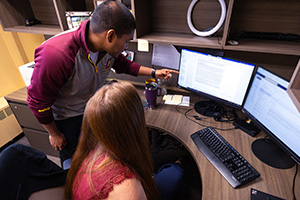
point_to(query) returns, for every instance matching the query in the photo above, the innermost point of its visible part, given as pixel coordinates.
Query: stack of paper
(177, 100)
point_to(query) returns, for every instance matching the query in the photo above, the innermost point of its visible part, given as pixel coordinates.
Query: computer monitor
(270, 107)
(220, 80)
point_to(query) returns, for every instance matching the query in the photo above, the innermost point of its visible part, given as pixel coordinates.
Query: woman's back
(113, 122)
(101, 177)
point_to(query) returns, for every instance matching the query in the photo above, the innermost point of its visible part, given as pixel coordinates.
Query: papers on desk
(177, 100)
(26, 72)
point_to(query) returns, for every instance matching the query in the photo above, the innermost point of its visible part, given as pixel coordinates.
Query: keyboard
(233, 167)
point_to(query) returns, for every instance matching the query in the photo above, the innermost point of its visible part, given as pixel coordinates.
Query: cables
(186, 116)
(222, 47)
(294, 180)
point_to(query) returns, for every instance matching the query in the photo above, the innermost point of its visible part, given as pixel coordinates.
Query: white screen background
(216, 76)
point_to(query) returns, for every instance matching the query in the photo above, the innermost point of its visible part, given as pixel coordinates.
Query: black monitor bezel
(214, 98)
(274, 138)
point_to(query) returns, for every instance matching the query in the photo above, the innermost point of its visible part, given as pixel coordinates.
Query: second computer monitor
(270, 106)
(218, 79)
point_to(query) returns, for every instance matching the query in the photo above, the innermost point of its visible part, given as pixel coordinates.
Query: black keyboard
(233, 167)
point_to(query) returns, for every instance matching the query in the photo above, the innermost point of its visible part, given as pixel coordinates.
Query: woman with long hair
(113, 156)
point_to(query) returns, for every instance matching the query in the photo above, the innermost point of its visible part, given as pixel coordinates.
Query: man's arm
(159, 73)
(123, 65)
(51, 72)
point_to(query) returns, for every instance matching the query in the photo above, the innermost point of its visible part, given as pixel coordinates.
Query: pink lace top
(103, 183)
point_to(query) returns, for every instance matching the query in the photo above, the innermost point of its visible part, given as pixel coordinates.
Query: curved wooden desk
(274, 181)
(277, 182)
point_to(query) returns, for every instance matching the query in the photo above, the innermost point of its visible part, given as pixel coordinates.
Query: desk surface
(274, 181)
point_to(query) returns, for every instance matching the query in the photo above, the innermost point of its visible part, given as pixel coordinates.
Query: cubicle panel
(25, 116)
(40, 141)
(168, 16)
(266, 16)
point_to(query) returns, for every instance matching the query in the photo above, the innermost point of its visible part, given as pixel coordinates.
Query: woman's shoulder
(117, 176)
(129, 189)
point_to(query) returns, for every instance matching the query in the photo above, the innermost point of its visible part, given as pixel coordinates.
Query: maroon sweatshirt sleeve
(51, 71)
(123, 65)
(54, 64)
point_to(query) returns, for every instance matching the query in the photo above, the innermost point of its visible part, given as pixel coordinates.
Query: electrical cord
(294, 182)
(176, 107)
(191, 109)
(185, 114)
(146, 106)
(219, 42)
(205, 126)
(221, 129)
(233, 112)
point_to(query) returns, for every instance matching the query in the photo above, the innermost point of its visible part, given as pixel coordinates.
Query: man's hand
(164, 73)
(57, 141)
(56, 138)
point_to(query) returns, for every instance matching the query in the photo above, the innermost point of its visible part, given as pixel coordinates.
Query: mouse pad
(258, 195)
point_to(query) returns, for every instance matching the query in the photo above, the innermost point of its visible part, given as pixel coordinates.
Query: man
(71, 66)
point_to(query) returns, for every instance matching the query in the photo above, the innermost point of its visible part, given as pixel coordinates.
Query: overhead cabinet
(165, 21)
(14, 15)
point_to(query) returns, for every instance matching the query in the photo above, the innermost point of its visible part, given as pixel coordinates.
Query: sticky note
(167, 97)
(177, 99)
(143, 45)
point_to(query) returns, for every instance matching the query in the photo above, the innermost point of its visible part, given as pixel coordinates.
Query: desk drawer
(40, 141)
(25, 116)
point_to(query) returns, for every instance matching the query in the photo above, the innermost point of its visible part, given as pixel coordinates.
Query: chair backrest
(56, 193)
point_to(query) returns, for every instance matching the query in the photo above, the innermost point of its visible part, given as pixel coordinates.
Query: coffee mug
(151, 94)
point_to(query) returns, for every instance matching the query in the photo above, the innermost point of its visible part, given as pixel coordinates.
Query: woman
(113, 158)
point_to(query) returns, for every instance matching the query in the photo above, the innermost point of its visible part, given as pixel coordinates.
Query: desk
(33, 130)
(277, 182)
(166, 118)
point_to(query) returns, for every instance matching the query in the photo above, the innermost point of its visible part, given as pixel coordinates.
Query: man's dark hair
(112, 15)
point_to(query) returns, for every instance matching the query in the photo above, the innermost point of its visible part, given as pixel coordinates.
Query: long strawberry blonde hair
(114, 123)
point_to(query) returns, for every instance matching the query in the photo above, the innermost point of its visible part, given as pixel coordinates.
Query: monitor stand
(208, 108)
(269, 153)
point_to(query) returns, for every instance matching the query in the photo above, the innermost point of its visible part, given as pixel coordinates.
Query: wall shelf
(51, 13)
(183, 40)
(267, 46)
(37, 29)
(163, 21)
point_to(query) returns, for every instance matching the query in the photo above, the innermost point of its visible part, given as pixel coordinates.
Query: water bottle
(162, 84)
